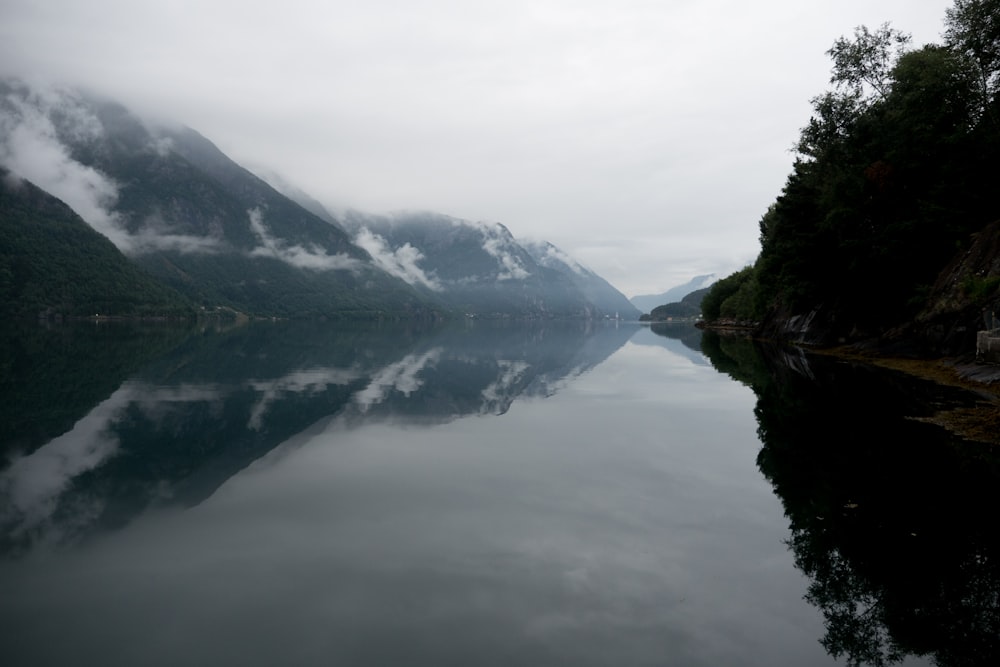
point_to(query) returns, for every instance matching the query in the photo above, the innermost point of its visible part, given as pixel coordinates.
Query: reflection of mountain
(50, 377)
(893, 519)
(178, 429)
(683, 339)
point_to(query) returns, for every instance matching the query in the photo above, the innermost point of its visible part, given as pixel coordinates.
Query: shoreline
(979, 423)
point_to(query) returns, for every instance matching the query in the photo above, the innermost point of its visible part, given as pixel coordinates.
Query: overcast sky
(644, 137)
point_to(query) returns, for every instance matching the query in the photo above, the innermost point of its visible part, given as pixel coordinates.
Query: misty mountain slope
(177, 206)
(596, 289)
(296, 194)
(51, 261)
(478, 268)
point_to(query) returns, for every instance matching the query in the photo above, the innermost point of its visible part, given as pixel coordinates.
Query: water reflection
(681, 338)
(892, 518)
(171, 419)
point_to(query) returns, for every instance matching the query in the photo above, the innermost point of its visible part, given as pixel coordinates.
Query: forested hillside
(895, 172)
(53, 261)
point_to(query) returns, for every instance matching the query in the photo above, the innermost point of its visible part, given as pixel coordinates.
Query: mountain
(296, 194)
(185, 213)
(52, 262)
(687, 308)
(480, 268)
(647, 302)
(596, 289)
(179, 208)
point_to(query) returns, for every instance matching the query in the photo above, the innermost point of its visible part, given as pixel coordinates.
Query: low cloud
(401, 262)
(299, 256)
(31, 148)
(548, 255)
(511, 267)
(150, 241)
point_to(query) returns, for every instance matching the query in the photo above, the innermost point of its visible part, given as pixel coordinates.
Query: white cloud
(497, 244)
(150, 241)
(315, 259)
(553, 255)
(401, 262)
(31, 148)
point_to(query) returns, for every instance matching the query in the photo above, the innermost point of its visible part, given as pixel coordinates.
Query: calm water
(283, 494)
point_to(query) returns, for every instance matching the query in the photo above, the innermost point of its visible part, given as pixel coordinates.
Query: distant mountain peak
(647, 302)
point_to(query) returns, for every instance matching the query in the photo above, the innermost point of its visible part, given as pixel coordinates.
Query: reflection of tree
(51, 376)
(685, 332)
(892, 519)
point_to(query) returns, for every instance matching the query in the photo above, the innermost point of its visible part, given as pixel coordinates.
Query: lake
(481, 494)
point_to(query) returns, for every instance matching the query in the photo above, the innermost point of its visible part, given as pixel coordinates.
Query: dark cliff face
(964, 299)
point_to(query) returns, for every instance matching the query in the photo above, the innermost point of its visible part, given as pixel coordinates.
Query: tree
(862, 67)
(973, 29)
(732, 297)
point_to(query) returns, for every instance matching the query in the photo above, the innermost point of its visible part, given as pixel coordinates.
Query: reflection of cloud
(310, 381)
(400, 376)
(296, 255)
(498, 396)
(550, 384)
(31, 486)
(35, 486)
(401, 262)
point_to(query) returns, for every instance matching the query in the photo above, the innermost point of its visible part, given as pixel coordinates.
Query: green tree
(893, 175)
(731, 298)
(972, 28)
(862, 66)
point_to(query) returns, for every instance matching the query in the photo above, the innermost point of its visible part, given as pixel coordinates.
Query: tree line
(895, 170)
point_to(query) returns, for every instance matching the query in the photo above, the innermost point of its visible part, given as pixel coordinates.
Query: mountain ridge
(647, 302)
(184, 212)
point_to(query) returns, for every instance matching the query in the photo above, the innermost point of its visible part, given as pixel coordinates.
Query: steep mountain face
(596, 289)
(647, 302)
(480, 269)
(181, 209)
